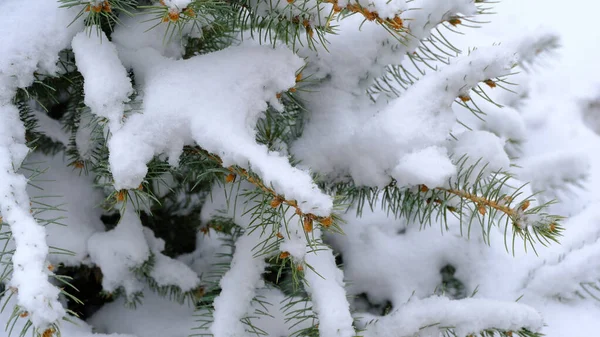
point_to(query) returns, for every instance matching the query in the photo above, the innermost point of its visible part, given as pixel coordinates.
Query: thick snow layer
(483, 150)
(168, 271)
(325, 285)
(106, 82)
(467, 316)
(31, 44)
(119, 250)
(72, 328)
(28, 45)
(430, 166)
(238, 287)
(183, 104)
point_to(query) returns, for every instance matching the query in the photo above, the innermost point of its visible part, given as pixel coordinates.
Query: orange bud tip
(279, 235)
(284, 255)
(189, 12)
(481, 209)
(278, 95)
(24, 314)
(121, 195)
(199, 292)
(300, 268)
(276, 202)
(423, 188)
(173, 15)
(328, 221)
(464, 98)
(299, 77)
(230, 178)
(490, 83)
(525, 205)
(308, 224)
(454, 21)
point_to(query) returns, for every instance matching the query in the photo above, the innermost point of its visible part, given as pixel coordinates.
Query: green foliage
(170, 199)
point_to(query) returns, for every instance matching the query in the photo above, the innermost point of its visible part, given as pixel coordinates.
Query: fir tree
(246, 167)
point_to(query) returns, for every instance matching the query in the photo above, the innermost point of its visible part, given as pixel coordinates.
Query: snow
(33, 44)
(546, 134)
(28, 46)
(72, 328)
(466, 316)
(430, 166)
(238, 288)
(483, 150)
(106, 82)
(180, 100)
(71, 209)
(326, 288)
(119, 250)
(168, 271)
(155, 317)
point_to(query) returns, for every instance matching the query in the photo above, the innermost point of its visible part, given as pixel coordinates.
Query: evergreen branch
(277, 198)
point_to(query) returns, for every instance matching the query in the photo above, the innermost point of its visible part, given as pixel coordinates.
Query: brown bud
(490, 83)
(308, 224)
(276, 202)
(481, 209)
(230, 178)
(284, 255)
(524, 205)
(464, 98)
(199, 292)
(328, 221)
(454, 21)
